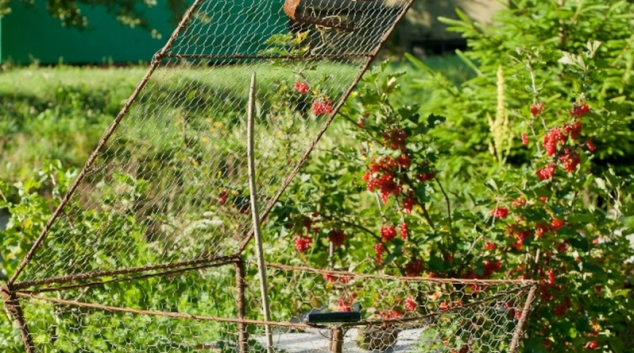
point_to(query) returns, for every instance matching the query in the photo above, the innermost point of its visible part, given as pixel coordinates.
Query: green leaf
(418, 64)
(469, 63)
(436, 264)
(580, 243)
(414, 118)
(622, 293)
(464, 17)
(396, 253)
(434, 120)
(589, 266)
(452, 22)
(421, 193)
(491, 185)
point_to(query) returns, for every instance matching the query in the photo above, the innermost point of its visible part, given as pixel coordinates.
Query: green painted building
(29, 34)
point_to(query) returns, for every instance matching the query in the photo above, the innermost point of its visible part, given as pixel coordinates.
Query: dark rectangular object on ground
(316, 318)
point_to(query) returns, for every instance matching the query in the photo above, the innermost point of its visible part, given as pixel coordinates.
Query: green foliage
(61, 328)
(544, 29)
(566, 229)
(559, 54)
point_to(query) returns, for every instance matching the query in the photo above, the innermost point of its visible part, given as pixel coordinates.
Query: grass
(61, 112)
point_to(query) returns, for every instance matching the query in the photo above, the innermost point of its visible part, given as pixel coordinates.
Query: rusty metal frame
(12, 304)
(270, 57)
(519, 330)
(163, 53)
(111, 129)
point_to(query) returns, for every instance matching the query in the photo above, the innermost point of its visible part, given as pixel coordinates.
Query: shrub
(545, 28)
(389, 205)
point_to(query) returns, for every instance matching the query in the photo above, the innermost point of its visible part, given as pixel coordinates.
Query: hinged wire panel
(397, 313)
(167, 186)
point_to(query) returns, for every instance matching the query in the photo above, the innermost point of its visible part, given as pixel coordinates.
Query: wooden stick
(243, 335)
(336, 339)
(256, 216)
(331, 255)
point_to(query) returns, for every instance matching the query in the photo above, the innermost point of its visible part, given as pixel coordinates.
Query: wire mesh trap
(397, 314)
(147, 249)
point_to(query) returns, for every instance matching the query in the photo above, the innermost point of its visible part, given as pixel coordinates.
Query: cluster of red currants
(556, 144)
(321, 106)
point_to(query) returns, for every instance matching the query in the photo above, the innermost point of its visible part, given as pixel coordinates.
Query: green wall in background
(30, 34)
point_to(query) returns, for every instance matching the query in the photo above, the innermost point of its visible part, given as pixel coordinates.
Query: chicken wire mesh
(398, 314)
(168, 182)
(145, 251)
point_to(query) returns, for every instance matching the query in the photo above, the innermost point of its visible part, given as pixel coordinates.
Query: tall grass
(61, 112)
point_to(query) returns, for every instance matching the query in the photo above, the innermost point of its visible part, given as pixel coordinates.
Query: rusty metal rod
(243, 334)
(483, 282)
(519, 330)
(130, 279)
(12, 304)
(122, 271)
(263, 56)
(170, 314)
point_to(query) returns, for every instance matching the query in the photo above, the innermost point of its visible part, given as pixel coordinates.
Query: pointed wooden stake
(256, 216)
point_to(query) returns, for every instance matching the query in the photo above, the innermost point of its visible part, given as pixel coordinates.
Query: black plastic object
(319, 318)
